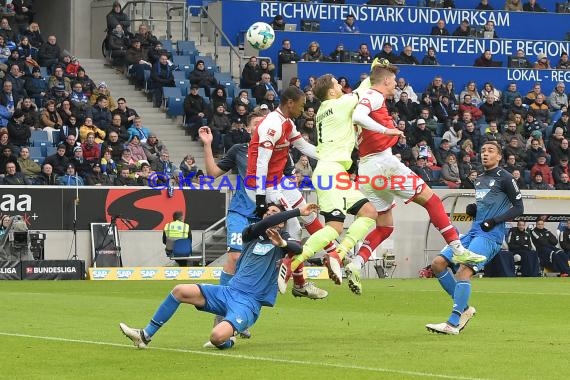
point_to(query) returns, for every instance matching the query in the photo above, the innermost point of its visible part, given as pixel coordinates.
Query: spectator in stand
(13, 177)
(126, 161)
(31, 114)
(484, 6)
(463, 30)
(387, 53)
(97, 177)
(58, 161)
(28, 167)
(467, 107)
(160, 76)
(36, 86)
(564, 183)
(339, 55)
(564, 62)
(219, 96)
(9, 98)
(532, 94)
(49, 53)
(435, 89)
(533, 6)
(421, 133)
(137, 60)
(364, 54)
(126, 113)
(269, 101)
(69, 128)
(286, 55)
(444, 111)
(49, 119)
(425, 172)
(554, 145)
(164, 165)
(87, 127)
(492, 110)
(278, 23)
(404, 150)
(311, 101)
(560, 169)
(519, 241)
(153, 148)
(454, 135)
(266, 67)
(488, 90)
(18, 131)
(86, 83)
(16, 58)
(542, 167)
(468, 182)
(407, 58)
(59, 79)
(564, 124)
(125, 178)
(313, 53)
(6, 31)
(439, 29)
(79, 101)
(558, 97)
(34, 35)
(511, 162)
(145, 37)
(117, 17)
(508, 96)
(345, 86)
(156, 51)
(537, 183)
(263, 87)
(188, 166)
(407, 109)
(46, 177)
(237, 134)
(513, 5)
(82, 166)
(492, 134)
(137, 151)
(511, 132)
(91, 151)
(540, 111)
(519, 60)
(470, 133)
(139, 130)
(485, 60)
(251, 74)
(119, 43)
(109, 160)
(203, 78)
(490, 27)
(561, 151)
(241, 100)
(101, 114)
(102, 89)
(219, 124)
(195, 109)
(71, 142)
(550, 256)
(401, 86)
(23, 14)
(143, 175)
(471, 89)
(348, 25)
(517, 112)
(542, 62)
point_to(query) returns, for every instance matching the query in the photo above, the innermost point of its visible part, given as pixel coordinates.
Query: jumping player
(498, 199)
(374, 147)
(253, 286)
(336, 138)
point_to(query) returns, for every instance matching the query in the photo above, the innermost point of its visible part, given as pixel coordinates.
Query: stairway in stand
(168, 130)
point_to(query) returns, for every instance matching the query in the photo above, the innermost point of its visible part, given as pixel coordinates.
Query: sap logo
(148, 273)
(217, 273)
(99, 274)
(480, 194)
(171, 273)
(195, 273)
(124, 274)
(314, 273)
(8, 202)
(262, 249)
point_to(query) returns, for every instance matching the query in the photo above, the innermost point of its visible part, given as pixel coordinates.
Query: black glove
(488, 225)
(471, 209)
(260, 206)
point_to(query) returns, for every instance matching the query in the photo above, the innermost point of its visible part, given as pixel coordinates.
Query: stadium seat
(170, 92)
(209, 63)
(526, 176)
(437, 141)
(55, 137)
(185, 47)
(183, 63)
(44, 72)
(167, 45)
(38, 138)
(175, 107)
(179, 75)
(38, 160)
(50, 150)
(224, 79)
(183, 85)
(36, 151)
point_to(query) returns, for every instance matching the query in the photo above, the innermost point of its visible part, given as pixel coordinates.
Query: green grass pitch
(69, 330)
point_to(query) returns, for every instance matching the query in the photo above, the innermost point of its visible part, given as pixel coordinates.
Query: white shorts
(289, 197)
(386, 177)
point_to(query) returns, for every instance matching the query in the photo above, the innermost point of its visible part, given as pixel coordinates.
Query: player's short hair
(322, 86)
(495, 144)
(380, 72)
(278, 205)
(255, 113)
(291, 93)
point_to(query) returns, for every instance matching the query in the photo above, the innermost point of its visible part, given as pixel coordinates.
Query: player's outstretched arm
(288, 245)
(361, 117)
(253, 231)
(206, 136)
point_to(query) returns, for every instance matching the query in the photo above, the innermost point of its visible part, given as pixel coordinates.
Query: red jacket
(475, 112)
(545, 171)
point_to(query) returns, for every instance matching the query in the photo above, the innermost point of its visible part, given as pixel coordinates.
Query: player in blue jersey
(241, 211)
(254, 284)
(498, 200)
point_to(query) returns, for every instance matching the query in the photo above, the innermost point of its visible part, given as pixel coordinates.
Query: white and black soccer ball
(260, 35)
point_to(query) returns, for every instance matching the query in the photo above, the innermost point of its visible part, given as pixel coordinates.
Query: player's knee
(222, 332)
(438, 265)
(179, 292)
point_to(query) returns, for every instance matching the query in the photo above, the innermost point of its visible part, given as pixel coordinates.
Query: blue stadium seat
(36, 151)
(44, 72)
(209, 63)
(170, 92)
(50, 150)
(183, 62)
(38, 160)
(185, 47)
(56, 137)
(183, 85)
(167, 45)
(526, 176)
(175, 107)
(202, 93)
(437, 141)
(224, 79)
(179, 75)
(38, 138)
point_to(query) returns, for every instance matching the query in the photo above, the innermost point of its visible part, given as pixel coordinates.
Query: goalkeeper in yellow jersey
(336, 194)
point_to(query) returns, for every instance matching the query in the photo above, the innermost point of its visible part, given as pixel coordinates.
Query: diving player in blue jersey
(254, 285)
(498, 200)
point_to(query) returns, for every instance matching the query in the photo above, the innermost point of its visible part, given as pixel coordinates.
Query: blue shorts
(235, 224)
(480, 245)
(236, 307)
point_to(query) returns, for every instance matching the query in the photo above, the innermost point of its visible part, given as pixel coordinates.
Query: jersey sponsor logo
(271, 132)
(262, 249)
(480, 194)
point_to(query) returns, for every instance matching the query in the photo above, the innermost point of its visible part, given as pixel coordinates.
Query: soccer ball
(260, 35)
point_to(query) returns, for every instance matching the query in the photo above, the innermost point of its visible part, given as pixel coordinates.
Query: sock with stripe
(440, 220)
(299, 276)
(162, 315)
(447, 282)
(371, 242)
(460, 299)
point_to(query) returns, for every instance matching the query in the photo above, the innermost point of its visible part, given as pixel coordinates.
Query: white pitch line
(245, 357)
